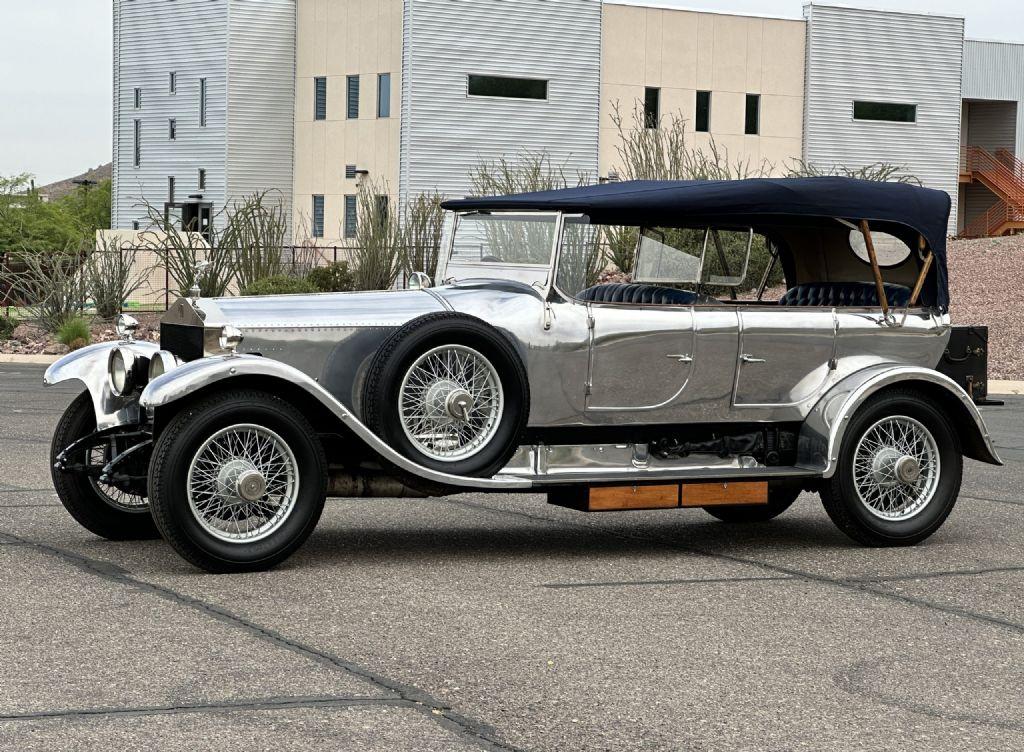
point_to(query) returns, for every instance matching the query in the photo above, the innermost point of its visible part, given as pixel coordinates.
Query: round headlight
(230, 338)
(126, 325)
(121, 370)
(161, 363)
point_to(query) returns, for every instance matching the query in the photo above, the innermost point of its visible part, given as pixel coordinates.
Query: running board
(663, 496)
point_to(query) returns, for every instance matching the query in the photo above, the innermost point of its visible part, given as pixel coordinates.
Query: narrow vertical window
(652, 107)
(138, 98)
(352, 96)
(202, 102)
(383, 209)
(351, 218)
(702, 122)
(135, 225)
(172, 129)
(202, 179)
(137, 144)
(170, 189)
(172, 82)
(752, 125)
(384, 95)
(350, 172)
(318, 216)
(320, 98)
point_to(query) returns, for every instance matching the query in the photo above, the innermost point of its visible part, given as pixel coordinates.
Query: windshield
(504, 239)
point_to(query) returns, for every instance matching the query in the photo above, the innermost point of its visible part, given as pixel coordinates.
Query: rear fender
(821, 435)
(89, 365)
(179, 383)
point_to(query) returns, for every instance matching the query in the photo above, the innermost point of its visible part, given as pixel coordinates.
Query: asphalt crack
(477, 732)
(678, 581)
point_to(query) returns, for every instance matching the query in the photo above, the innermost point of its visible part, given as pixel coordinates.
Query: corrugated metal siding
(884, 56)
(991, 125)
(154, 37)
(445, 132)
(117, 115)
(977, 199)
(995, 70)
(261, 98)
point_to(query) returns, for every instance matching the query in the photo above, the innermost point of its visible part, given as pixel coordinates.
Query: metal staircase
(1003, 174)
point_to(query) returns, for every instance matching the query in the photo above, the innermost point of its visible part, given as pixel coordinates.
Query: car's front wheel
(898, 474)
(237, 481)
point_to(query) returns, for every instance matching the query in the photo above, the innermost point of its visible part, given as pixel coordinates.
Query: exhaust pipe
(348, 486)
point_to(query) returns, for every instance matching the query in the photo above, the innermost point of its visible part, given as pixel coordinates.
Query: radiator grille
(182, 340)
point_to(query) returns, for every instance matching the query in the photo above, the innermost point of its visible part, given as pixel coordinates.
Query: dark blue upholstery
(621, 292)
(841, 294)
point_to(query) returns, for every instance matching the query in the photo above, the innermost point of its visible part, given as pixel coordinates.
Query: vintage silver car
(518, 370)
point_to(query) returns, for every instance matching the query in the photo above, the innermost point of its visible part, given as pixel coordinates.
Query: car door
(785, 356)
(641, 357)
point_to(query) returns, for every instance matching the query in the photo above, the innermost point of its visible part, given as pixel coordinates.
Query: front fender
(821, 435)
(89, 365)
(199, 374)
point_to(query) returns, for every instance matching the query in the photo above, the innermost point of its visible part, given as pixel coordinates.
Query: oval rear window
(890, 250)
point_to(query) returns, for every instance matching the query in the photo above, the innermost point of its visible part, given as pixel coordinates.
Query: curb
(1005, 388)
(40, 360)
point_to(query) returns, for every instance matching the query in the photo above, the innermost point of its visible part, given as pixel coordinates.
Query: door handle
(751, 359)
(681, 358)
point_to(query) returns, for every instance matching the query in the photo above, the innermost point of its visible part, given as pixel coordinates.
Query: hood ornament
(194, 291)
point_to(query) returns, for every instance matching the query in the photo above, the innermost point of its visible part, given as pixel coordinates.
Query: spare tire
(448, 392)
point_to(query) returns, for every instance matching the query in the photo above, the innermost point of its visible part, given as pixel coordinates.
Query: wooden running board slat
(664, 496)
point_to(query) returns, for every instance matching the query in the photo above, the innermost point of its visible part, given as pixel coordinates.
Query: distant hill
(54, 191)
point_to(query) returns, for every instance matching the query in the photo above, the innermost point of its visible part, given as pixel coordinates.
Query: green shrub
(74, 333)
(336, 277)
(279, 284)
(7, 325)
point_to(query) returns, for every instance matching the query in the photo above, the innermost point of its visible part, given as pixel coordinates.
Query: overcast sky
(55, 71)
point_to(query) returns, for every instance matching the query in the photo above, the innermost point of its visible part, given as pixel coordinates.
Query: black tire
(780, 498)
(380, 400)
(168, 479)
(90, 507)
(839, 493)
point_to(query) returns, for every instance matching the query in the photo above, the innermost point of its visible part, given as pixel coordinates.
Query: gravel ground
(986, 286)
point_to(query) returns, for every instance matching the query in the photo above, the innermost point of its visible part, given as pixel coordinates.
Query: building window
(202, 102)
(752, 124)
(318, 216)
(170, 190)
(383, 208)
(320, 98)
(135, 225)
(351, 216)
(702, 123)
(172, 129)
(137, 144)
(350, 172)
(887, 111)
(352, 96)
(652, 107)
(202, 179)
(384, 95)
(172, 83)
(503, 86)
(138, 98)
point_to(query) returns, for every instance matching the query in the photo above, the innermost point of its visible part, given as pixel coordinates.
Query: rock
(25, 332)
(56, 348)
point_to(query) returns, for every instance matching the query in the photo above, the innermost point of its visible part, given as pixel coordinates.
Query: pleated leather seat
(841, 294)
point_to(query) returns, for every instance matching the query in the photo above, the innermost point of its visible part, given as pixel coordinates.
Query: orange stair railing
(993, 221)
(996, 175)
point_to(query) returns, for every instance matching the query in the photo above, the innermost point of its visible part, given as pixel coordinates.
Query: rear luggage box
(966, 362)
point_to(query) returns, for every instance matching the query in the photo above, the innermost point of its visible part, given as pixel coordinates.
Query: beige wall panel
(782, 153)
(652, 51)
(705, 51)
(782, 62)
(755, 55)
(304, 99)
(305, 23)
(623, 56)
(781, 116)
(728, 112)
(679, 51)
(730, 60)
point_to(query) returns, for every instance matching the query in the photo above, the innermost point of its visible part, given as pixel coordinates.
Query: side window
(581, 258)
(889, 249)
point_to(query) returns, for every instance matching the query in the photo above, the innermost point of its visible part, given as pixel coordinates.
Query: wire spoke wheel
(99, 456)
(451, 402)
(243, 483)
(896, 468)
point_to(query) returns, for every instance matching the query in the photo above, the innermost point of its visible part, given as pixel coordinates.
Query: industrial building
(217, 98)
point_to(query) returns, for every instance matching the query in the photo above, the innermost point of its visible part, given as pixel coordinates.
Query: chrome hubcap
(896, 468)
(243, 483)
(450, 402)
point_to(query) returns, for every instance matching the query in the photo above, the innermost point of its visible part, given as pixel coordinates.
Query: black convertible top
(897, 208)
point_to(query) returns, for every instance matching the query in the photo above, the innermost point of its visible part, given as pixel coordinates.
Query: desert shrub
(74, 333)
(422, 223)
(52, 286)
(335, 277)
(377, 253)
(280, 284)
(7, 325)
(112, 275)
(256, 228)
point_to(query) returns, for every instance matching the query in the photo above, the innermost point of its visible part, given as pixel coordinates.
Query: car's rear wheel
(237, 481)
(448, 392)
(780, 498)
(100, 508)
(899, 472)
